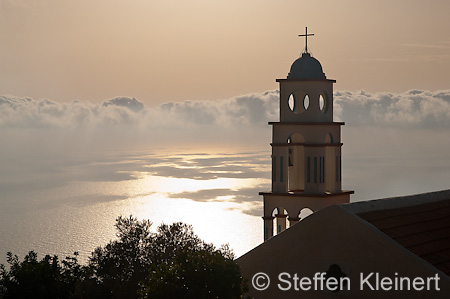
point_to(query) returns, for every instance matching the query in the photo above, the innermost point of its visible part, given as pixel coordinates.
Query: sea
(59, 204)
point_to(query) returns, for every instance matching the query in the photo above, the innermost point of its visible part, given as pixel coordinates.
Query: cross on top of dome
(306, 67)
(306, 38)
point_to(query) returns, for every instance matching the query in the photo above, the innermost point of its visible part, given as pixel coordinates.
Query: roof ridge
(396, 202)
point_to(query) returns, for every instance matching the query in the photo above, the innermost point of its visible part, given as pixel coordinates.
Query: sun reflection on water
(217, 216)
(216, 193)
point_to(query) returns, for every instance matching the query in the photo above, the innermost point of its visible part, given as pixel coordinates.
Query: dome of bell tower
(306, 67)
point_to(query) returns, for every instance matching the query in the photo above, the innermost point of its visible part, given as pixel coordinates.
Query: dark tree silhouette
(115, 270)
(194, 274)
(171, 263)
(46, 278)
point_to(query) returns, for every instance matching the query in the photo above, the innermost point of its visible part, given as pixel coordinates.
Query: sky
(161, 51)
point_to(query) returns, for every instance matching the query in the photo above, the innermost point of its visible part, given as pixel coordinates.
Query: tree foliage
(194, 274)
(171, 263)
(31, 278)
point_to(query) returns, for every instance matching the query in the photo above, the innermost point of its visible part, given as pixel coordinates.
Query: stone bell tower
(306, 147)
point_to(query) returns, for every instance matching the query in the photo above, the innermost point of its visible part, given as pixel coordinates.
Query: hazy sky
(173, 50)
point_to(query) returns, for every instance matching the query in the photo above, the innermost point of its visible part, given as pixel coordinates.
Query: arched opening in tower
(280, 220)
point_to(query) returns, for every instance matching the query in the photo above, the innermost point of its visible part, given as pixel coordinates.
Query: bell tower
(306, 147)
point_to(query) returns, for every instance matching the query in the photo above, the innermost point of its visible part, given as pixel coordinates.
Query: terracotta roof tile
(423, 229)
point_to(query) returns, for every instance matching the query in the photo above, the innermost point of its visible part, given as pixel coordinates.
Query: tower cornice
(296, 80)
(303, 194)
(307, 144)
(306, 123)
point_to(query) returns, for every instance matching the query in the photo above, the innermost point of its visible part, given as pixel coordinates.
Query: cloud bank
(415, 108)
(241, 120)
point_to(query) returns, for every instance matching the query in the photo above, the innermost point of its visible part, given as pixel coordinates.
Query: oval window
(306, 102)
(321, 103)
(291, 102)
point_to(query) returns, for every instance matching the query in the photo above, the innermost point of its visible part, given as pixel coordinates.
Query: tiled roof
(424, 229)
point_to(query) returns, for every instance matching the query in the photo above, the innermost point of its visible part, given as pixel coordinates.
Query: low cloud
(412, 109)
(126, 120)
(415, 108)
(25, 112)
(132, 104)
(251, 109)
(241, 121)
